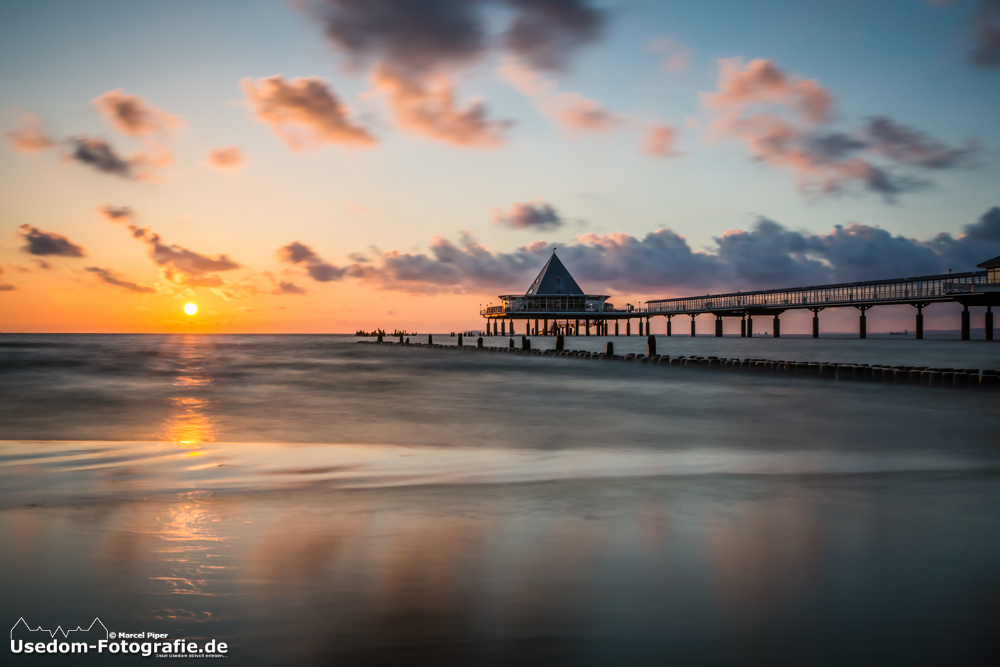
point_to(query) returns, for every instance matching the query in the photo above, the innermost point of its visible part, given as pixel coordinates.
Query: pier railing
(923, 289)
(900, 290)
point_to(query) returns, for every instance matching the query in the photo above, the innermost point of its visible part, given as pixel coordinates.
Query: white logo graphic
(96, 638)
(100, 631)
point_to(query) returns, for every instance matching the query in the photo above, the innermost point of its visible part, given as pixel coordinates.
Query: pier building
(555, 304)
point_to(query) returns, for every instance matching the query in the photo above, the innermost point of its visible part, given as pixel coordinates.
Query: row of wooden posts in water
(913, 375)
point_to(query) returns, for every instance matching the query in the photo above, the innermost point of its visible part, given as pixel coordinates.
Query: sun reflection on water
(190, 424)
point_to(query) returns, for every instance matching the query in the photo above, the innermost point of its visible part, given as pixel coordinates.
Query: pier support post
(651, 345)
(749, 325)
(479, 343)
(815, 312)
(777, 326)
(616, 327)
(988, 323)
(536, 327)
(587, 327)
(718, 326)
(628, 327)
(576, 330)
(609, 351)
(743, 326)
(525, 343)
(560, 343)
(494, 327)
(640, 326)
(512, 327)
(965, 322)
(693, 330)
(430, 339)
(669, 332)
(863, 322)
(920, 320)
(460, 340)
(545, 327)
(503, 328)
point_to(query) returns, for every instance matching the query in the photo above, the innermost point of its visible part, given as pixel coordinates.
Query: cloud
(421, 38)
(30, 137)
(675, 56)
(466, 268)
(42, 264)
(48, 243)
(415, 48)
(546, 32)
(529, 215)
(6, 287)
(178, 265)
(116, 213)
(985, 35)
(226, 159)
(100, 155)
(769, 255)
(417, 36)
(761, 82)
(287, 288)
(93, 152)
(132, 115)
(782, 119)
(659, 140)
(303, 112)
(571, 111)
(318, 270)
(986, 28)
(577, 113)
(111, 278)
(427, 107)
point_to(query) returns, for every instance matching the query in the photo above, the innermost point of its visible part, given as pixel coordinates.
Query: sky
(334, 165)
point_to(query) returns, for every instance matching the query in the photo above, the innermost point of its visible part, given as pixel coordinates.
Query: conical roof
(554, 279)
(990, 263)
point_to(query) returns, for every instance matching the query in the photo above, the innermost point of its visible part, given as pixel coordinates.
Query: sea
(309, 500)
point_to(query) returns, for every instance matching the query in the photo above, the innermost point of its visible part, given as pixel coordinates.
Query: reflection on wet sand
(190, 546)
(568, 573)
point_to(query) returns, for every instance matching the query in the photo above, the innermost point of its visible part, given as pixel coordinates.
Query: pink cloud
(30, 138)
(676, 57)
(576, 113)
(659, 140)
(782, 119)
(304, 112)
(529, 215)
(178, 265)
(428, 107)
(226, 159)
(761, 82)
(132, 115)
(571, 111)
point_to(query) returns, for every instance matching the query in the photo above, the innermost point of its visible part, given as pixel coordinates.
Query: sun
(190, 308)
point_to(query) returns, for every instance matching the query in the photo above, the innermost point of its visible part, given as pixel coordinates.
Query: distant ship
(905, 332)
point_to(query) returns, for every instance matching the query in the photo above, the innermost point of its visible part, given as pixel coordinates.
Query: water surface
(315, 501)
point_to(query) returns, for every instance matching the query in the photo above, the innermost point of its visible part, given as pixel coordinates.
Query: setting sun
(190, 308)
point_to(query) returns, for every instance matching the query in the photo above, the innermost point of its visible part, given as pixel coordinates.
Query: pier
(556, 305)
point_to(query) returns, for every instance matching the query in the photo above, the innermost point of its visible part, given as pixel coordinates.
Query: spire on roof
(554, 278)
